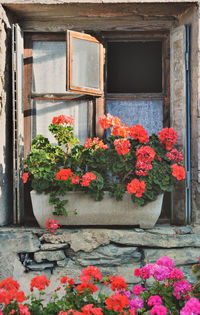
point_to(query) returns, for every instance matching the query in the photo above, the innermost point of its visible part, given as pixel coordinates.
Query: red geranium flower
(89, 310)
(64, 174)
(122, 131)
(39, 282)
(71, 281)
(145, 155)
(62, 120)
(136, 187)
(9, 284)
(122, 146)
(86, 286)
(178, 171)
(90, 272)
(24, 309)
(20, 296)
(175, 155)
(118, 283)
(52, 225)
(87, 178)
(168, 137)
(137, 132)
(96, 143)
(25, 177)
(117, 302)
(108, 121)
(63, 280)
(75, 179)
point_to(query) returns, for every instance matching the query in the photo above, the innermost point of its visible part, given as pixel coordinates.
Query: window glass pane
(45, 110)
(148, 113)
(134, 67)
(49, 67)
(85, 64)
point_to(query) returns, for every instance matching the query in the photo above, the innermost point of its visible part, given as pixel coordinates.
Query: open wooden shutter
(84, 64)
(18, 123)
(178, 112)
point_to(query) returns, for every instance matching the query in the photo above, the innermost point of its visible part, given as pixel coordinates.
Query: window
(137, 79)
(63, 73)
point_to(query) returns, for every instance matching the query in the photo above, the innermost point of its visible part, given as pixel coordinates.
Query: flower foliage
(167, 296)
(128, 160)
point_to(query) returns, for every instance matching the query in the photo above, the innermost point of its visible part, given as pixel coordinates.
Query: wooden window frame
(77, 89)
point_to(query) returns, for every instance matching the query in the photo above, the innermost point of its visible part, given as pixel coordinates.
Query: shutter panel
(85, 61)
(18, 123)
(177, 113)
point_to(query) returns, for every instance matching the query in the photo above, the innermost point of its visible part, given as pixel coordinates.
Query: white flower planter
(107, 212)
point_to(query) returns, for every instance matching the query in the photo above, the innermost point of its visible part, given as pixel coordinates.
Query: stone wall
(25, 253)
(5, 119)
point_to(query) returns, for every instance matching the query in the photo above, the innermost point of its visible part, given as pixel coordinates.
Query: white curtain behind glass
(45, 110)
(49, 67)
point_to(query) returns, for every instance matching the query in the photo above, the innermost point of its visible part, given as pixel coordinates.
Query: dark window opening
(134, 67)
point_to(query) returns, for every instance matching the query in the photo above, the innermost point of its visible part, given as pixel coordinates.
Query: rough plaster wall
(5, 120)
(192, 18)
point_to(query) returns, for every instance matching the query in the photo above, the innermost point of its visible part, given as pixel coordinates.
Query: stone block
(19, 242)
(161, 229)
(49, 255)
(10, 266)
(88, 240)
(147, 239)
(170, 230)
(63, 263)
(182, 230)
(52, 247)
(180, 256)
(110, 255)
(40, 267)
(126, 271)
(61, 237)
(196, 229)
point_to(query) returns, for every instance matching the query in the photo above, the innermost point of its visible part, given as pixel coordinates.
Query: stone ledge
(26, 252)
(27, 239)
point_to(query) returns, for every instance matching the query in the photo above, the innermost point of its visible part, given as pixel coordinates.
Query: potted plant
(130, 166)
